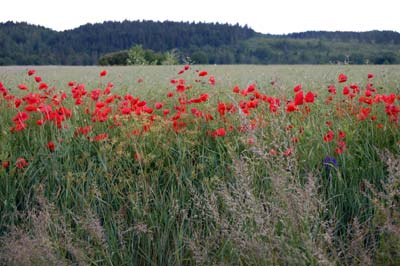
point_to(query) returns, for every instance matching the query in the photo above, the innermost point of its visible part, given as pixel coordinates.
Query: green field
(251, 169)
(157, 77)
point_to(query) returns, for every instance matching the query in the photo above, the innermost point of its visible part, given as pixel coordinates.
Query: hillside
(203, 43)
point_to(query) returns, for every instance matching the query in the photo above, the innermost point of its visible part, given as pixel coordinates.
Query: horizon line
(195, 22)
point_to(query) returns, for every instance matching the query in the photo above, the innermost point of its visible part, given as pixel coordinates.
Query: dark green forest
(113, 43)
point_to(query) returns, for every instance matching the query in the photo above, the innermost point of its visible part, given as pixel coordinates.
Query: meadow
(200, 165)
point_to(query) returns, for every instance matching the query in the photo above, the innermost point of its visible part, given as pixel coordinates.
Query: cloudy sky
(279, 16)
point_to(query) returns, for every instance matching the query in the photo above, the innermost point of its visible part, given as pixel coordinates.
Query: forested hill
(202, 43)
(21, 43)
(382, 37)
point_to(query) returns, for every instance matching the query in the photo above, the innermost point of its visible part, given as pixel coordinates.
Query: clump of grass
(375, 241)
(387, 212)
(33, 242)
(259, 228)
(44, 237)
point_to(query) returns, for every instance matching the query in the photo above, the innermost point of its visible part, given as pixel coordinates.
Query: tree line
(114, 43)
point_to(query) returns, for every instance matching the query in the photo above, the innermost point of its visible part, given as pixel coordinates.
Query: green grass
(163, 197)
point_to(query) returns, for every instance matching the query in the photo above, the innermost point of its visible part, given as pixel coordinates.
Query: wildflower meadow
(200, 165)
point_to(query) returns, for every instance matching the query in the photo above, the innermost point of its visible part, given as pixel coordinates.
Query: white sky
(277, 17)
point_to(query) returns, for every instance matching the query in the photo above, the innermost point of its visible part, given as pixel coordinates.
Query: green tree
(200, 57)
(136, 56)
(171, 57)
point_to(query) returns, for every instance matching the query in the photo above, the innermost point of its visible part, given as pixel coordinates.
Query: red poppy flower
(107, 90)
(298, 98)
(46, 110)
(180, 88)
(368, 93)
(103, 73)
(166, 111)
(389, 99)
(78, 101)
(17, 102)
(101, 137)
(203, 73)
(346, 90)
(158, 105)
(342, 78)
(208, 117)
(355, 88)
(181, 72)
(273, 108)
(38, 79)
(219, 132)
(291, 107)
(309, 98)
(147, 109)
(370, 75)
(43, 86)
(329, 136)
(297, 88)
(5, 164)
(211, 80)
(236, 89)
(342, 144)
(95, 94)
(83, 130)
(109, 99)
(251, 88)
(51, 146)
(341, 134)
(178, 126)
(288, 152)
(186, 67)
(289, 127)
(339, 150)
(363, 114)
(22, 87)
(126, 110)
(31, 108)
(31, 72)
(332, 89)
(20, 117)
(221, 109)
(100, 105)
(71, 83)
(146, 128)
(204, 97)
(21, 163)
(170, 94)
(196, 112)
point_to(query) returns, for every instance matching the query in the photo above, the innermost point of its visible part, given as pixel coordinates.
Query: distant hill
(205, 43)
(371, 37)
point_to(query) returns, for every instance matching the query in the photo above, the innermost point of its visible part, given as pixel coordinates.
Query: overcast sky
(279, 16)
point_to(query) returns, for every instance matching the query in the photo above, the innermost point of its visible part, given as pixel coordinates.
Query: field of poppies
(200, 165)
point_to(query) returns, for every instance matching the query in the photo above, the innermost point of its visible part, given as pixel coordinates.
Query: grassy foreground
(218, 165)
